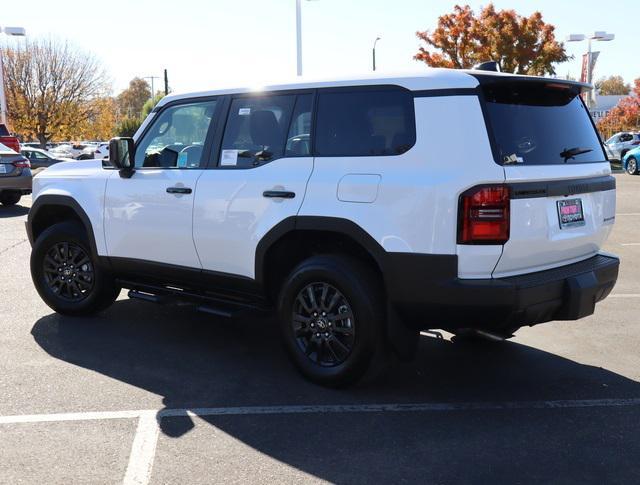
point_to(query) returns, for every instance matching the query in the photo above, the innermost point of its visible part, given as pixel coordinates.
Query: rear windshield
(541, 124)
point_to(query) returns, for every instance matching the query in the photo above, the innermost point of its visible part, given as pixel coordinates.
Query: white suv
(362, 210)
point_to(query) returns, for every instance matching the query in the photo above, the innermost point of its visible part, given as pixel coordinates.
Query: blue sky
(212, 43)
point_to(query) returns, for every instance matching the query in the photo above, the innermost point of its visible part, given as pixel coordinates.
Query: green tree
(521, 45)
(128, 127)
(150, 104)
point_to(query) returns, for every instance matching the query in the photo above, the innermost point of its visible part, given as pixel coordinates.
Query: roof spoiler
(492, 79)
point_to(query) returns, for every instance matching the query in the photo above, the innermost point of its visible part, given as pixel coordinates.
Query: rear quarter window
(365, 122)
(540, 124)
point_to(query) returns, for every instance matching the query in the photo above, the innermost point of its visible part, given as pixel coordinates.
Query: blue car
(631, 160)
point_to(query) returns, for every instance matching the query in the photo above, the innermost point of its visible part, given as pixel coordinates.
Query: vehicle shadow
(195, 361)
(13, 211)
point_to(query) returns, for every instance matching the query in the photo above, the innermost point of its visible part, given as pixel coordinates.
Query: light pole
(14, 31)
(374, 52)
(299, 36)
(589, 63)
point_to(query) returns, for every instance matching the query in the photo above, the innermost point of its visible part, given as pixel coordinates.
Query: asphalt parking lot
(149, 394)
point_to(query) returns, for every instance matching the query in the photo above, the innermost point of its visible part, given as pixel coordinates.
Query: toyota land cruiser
(361, 210)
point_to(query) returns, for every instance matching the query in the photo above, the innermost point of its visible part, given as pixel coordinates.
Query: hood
(73, 168)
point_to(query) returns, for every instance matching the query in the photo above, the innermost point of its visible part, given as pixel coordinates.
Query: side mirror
(121, 153)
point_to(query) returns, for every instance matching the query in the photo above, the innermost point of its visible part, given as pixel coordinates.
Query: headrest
(264, 127)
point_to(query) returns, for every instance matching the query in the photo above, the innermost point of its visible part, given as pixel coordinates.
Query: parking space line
(629, 214)
(143, 450)
(54, 418)
(322, 408)
(630, 244)
(624, 295)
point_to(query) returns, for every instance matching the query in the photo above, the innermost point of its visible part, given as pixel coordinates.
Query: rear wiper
(569, 153)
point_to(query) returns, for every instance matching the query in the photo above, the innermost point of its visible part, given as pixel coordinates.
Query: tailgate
(562, 194)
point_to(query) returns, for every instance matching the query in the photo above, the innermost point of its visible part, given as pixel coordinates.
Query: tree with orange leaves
(625, 116)
(521, 45)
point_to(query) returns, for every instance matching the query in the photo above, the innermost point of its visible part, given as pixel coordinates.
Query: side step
(139, 295)
(202, 303)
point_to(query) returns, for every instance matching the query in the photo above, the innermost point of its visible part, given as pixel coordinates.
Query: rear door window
(541, 124)
(367, 122)
(256, 130)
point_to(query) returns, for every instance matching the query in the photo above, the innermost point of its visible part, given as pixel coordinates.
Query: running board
(202, 303)
(139, 295)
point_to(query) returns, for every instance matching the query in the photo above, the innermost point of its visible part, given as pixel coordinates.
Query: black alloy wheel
(323, 324)
(68, 271)
(332, 317)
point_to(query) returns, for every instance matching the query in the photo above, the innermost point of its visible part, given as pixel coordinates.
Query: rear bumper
(22, 182)
(565, 293)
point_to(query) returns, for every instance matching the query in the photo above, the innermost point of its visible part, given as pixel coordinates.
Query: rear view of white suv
(361, 210)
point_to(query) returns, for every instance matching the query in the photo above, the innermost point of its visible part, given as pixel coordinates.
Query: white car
(360, 210)
(68, 150)
(102, 151)
(619, 144)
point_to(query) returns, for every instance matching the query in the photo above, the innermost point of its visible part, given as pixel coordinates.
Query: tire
(10, 198)
(91, 290)
(337, 349)
(632, 166)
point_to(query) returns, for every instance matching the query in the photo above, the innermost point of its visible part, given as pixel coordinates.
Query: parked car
(41, 158)
(95, 151)
(15, 176)
(631, 161)
(619, 144)
(74, 151)
(8, 140)
(342, 207)
(102, 151)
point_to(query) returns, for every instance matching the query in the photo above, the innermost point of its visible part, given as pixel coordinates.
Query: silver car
(619, 144)
(15, 176)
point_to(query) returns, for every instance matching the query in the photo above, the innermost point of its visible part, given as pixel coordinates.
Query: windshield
(541, 124)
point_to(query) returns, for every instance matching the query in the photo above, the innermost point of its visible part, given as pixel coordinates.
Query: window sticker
(244, 111)
(182, 159)
(229, 158)
(513, 158)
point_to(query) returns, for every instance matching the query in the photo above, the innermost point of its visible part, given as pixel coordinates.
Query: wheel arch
(298, 237)
(50, 209)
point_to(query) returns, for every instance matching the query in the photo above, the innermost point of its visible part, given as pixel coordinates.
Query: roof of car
(431, 78)
(425, 79)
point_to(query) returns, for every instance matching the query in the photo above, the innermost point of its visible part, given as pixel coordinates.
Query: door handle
(178, 190)
(281, 194)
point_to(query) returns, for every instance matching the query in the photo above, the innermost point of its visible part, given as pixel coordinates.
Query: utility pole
(166, 83)
(153, 91)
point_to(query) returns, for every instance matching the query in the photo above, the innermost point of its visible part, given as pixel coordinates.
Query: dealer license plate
(570, 213)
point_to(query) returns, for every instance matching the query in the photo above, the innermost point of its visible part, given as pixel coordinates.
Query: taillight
(637, 142)
(24, 163)
(483, 216)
